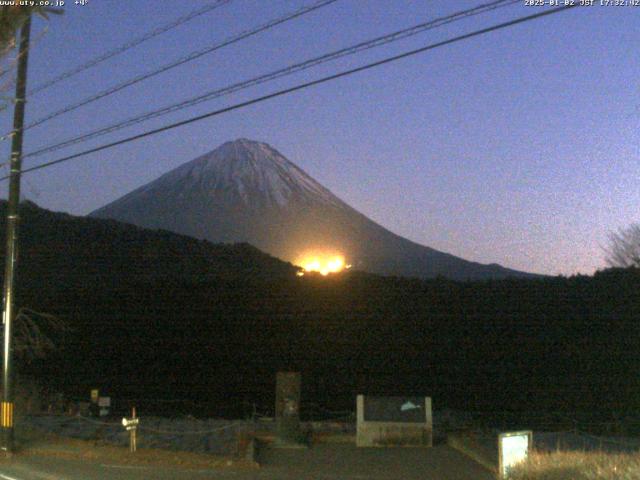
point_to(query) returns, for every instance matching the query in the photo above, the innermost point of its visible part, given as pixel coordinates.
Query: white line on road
(31, 473)
(132, 467)
(7, 477)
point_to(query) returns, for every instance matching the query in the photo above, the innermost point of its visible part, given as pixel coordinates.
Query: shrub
(578, 466)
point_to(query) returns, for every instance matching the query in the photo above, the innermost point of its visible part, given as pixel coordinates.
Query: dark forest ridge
(246, 191)
(58, 244)
(156, 315)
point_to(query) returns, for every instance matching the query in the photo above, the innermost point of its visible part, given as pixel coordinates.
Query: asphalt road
(323, 462)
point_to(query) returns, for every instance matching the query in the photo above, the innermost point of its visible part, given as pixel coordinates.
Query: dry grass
(579, 466)
(46, 444)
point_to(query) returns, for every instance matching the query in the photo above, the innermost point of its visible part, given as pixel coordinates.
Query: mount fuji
(246, 191)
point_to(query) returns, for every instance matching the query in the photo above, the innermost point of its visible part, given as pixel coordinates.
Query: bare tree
(35, 333)
(624, 247)
(11, 19)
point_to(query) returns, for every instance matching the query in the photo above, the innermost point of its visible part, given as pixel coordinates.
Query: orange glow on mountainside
(322, 263)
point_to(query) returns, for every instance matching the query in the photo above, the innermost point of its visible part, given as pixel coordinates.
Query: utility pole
(6, 407)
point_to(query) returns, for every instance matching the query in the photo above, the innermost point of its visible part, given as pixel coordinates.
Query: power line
(130, 44)
(289, 70)
(300, 87)
(181, 61)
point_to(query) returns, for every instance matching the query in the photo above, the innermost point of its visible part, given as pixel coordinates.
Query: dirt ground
(63, 459)
(346, 461)
(49, 445)
(324, 462)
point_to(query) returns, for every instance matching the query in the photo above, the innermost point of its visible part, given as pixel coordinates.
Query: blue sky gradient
(520, 147)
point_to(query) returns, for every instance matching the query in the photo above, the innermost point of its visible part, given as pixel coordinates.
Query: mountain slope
(246, 191)
(58, 247)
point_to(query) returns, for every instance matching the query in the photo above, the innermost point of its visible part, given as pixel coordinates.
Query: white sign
(513, 449)
(130, 423)
(104, 401)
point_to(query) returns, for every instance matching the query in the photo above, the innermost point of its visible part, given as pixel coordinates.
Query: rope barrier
(193, 432)
(609, 440)
(143, 427)
(578, 426)
(97, 422)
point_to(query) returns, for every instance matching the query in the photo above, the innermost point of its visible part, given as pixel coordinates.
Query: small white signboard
(513, 448)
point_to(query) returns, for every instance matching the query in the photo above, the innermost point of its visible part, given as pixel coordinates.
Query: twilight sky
(519, 147)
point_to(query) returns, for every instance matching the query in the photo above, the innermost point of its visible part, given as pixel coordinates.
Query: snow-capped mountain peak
(254, 171)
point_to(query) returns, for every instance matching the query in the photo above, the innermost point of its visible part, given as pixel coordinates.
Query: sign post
(131, 424)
